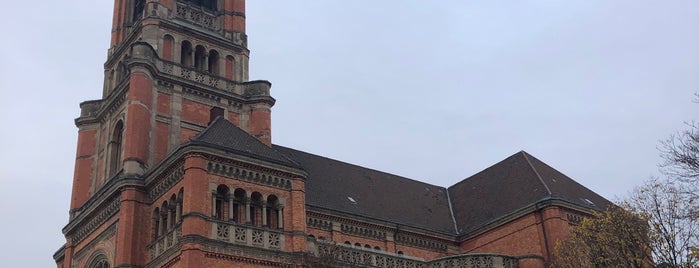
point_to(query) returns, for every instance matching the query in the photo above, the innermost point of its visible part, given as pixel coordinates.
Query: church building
(175, 167)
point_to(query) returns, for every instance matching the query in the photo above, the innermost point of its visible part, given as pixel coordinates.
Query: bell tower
(174, 68)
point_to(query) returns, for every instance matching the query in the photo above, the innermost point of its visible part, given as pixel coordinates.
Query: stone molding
(109, 210)
(317, 223)
(421, 242)
(166, 181)
(359, 257)
(247, 172)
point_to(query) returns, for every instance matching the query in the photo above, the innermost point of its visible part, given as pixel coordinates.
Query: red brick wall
(82, 177)
(138, 123)
(260, 125)
(195, 112)
(520, 237)
(162, 131)
(232, 22)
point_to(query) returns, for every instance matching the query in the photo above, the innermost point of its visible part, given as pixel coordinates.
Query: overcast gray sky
(431, 90)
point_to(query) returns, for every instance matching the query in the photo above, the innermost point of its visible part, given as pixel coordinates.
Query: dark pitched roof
(224, 135)
(512, 184)
(352, 189)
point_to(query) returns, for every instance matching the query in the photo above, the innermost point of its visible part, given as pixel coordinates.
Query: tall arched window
(168, 42)
(213, 62)
(186, 54)
(199, 58)
(115, 148)
(208, 4)
(138, 7)
(220, 202)
(157, 224)
(239, 200)
(274, 215)
(230, 67)
(121, 73)
(256, 204)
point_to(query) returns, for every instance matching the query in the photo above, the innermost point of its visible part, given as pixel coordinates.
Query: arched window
(239, 200)
(165, 223)
(377, 248)
(115, 148)
(100, 261)
(186, 54)
(172, 212)
(213, 62)
(274, 212)
(230, 67)
(178, 209)
(121, 73)
(357, 245)
(168, 42)
(208, 4)
(157, 224)
(199, 58)
(220, 202)
(256, 209)
(138, 7)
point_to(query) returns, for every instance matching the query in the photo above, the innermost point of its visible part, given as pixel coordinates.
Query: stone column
(280, 220)
(247, 211)
(213, 205)
(160, 224)
(169, 217)
(178, 211)
(231, 212)
(264, 214)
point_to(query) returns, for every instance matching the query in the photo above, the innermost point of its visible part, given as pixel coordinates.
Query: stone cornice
(87, 225)
(94, 111)
(106, 193)
(350, 218)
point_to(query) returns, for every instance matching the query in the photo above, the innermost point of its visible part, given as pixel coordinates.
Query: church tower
(160, 172)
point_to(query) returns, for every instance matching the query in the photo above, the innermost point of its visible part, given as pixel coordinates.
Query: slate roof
(334, 185)
(514, 183)
(224, 135)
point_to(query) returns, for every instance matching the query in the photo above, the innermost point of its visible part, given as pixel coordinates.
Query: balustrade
(248, 235)
(361, 257)
(253, 88)
(166, 241)
(197, 16)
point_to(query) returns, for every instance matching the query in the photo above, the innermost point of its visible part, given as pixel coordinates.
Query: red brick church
(175, 167)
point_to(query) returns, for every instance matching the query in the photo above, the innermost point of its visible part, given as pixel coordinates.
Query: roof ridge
(451, 212)
(536, 172)
(363, 167)
(207, 128)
